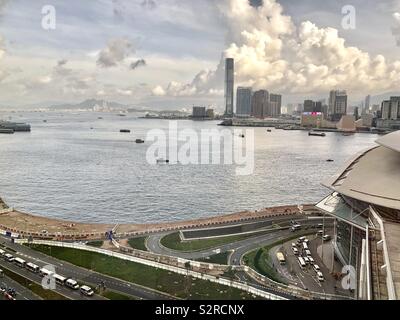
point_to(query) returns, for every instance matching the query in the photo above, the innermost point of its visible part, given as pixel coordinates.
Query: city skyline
(180, 61)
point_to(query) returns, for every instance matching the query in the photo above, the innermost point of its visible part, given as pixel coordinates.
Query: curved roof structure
(372, 176)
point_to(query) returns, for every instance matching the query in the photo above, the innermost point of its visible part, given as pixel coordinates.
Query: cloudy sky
(162, 53)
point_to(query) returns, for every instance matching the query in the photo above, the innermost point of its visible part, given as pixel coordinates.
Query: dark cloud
(115, 52)
(149, 4)
(137, 64)
(256, 3)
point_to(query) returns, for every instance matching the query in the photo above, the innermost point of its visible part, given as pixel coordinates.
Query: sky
(170, 53)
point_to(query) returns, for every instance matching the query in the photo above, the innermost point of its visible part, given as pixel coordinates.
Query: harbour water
(79, 166)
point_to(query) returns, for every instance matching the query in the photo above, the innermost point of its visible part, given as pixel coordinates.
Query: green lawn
(33, 286)
(220, 258)
(173, 241)
(96, 244)
(112, 295)
(174, 284)
(138, 243)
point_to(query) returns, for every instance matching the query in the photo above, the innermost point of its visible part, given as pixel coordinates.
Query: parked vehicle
(320, 276)
(326, 237)
(295, 251)
(8, 257)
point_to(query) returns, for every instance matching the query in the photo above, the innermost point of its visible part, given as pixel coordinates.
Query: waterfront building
(389, 117)
(243, 101)
(275, 105)
(229, 86)
(337, 104)
(199, 112)
(259, 105)
(312, 106)
(364, 201)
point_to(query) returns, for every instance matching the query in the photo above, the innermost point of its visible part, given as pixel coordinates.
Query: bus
(60, 279)
(302, 264)
(281, 258)
(44, 272)
(71, 283)
(305, 246)
(20, 262)
(32, 267)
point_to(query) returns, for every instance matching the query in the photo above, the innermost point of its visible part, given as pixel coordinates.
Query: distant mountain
(90, 104)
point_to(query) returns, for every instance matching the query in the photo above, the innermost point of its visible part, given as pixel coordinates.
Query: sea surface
(78, 166)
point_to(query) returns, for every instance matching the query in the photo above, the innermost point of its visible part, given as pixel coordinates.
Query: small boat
(44, 120)
(100, 118)
(162, 161)
(316, 134)
(330, 160)
(241, 135)
(125, 131)
(269, 130)
(139, 141)
(6, 131)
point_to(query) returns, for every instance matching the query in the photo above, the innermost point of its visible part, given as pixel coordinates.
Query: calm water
(65, 169)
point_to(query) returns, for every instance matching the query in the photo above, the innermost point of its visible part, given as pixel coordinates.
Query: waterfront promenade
(25, 225)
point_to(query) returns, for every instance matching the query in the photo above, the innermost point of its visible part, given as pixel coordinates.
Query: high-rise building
(275, 105)
(337, 105)
(199, 112)
(229, 86)
(243, 101)
(259, 104)
(309, 105)
(390, 109)
(366, 104)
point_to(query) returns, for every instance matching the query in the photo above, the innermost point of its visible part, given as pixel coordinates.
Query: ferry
(316, 134)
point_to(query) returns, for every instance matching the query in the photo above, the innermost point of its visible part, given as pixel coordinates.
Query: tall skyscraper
(259, 104)
(229, 85)
(275, 105)
(309, 106)
(337, 105)
(243, 101)
(366, 104)
(391, 109)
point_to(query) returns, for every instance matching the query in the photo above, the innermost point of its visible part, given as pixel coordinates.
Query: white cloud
(158, 91)
(271, 52)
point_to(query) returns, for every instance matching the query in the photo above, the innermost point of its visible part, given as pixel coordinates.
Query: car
(308, 253)
(306, 260)
(87, 291)
(320, 276)
(326, 237)
(311, 259)
(306, 241)
(320, 233)
(316, 268)
(294, 245)
(301, 239)
(295, 251)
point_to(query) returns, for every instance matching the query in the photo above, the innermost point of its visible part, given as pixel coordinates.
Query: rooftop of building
(372, 176)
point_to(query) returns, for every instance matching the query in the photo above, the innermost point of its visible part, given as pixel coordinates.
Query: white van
(71, 283)
(316, 268)
(305, 246)
(306, 260)
(311, 259)
(2, 252)
(308, 253)
(8, 257)
(87, 291)
(320, 276)
(295, 251)
(326, 237)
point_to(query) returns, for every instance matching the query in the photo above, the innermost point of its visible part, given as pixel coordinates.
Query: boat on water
(241, 135)
(330, 160)
(162, 161)
(139, 141)
(269, 130)
(15, 126)
(316, 134)
(125, 131)
(6, 131)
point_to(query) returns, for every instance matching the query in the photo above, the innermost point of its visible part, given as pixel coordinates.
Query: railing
(194, 274)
